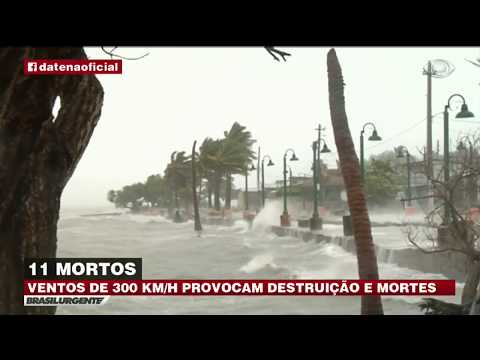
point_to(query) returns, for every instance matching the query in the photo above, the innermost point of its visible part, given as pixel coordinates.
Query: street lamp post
(290, 178)
(315, 221)
(325, 149)
(373, 137)
(304, 196)
(246, 185)
(403, 152)
(464, 113)
(319, 129)
(270, 163)
(284, 218)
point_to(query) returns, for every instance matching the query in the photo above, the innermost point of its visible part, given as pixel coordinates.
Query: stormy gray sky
(176, 95)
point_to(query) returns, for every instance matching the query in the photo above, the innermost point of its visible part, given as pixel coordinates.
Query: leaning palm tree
(238, 142)
(209, 165)
(223, 157)
(177, 175)
(367, 260)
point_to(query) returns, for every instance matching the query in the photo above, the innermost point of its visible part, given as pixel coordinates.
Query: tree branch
(112, 54)
(272, 51)
(438, 307)
(473, 62)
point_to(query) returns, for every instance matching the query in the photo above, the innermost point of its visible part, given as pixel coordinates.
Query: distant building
(331, 192)
(254, 197)
(331, 183)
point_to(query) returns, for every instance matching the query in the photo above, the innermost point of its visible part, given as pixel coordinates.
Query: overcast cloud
(176, 95)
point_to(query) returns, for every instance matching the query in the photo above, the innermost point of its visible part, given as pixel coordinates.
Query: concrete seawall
(451, 265)
(380, 224)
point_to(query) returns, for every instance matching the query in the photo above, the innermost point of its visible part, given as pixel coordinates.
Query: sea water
(176, 251)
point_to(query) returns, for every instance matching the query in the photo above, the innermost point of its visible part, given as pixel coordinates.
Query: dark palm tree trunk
(38, 155)
(367, 260)
(200, 189)
(198, 225)
(216, 189)
(209, 191)
(228, 192)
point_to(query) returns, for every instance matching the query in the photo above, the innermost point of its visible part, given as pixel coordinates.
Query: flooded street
(175, 251)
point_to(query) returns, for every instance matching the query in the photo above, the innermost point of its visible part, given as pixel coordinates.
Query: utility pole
(429, 120)
(444, 69)
(429, 155)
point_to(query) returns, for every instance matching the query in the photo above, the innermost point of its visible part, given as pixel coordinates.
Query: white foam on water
(288, 246)
(258, 262)
(394, 272)
(247, 245)
(332, 226)
(69, 216)
(268, 216)
(398, 216)
(336, 263)
(331, 250)
(144, 219)
(241, 226)
(271, 236)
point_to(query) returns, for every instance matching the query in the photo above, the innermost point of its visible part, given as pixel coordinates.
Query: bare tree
(451, 226)
(274, 52)
(113, 54)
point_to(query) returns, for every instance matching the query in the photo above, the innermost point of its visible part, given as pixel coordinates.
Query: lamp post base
(285, 219)
(347, 225)
(177, 217)
(303, 223)
(316, 223)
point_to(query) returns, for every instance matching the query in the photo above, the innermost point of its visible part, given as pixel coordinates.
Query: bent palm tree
(177, 176)
(239, 143)
(223, 157)
(209, 164)
(367, 260)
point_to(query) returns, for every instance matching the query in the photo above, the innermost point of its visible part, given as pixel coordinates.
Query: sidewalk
(391, 246)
